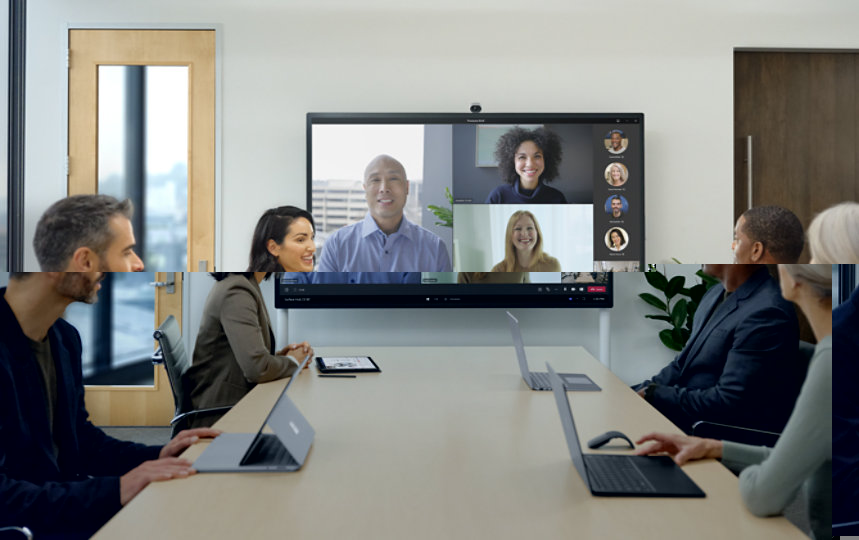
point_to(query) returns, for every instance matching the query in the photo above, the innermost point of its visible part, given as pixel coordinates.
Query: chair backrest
(176, 360)
(806, 351)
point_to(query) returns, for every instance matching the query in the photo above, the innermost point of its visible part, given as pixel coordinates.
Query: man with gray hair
(87, 233)
(768, 235)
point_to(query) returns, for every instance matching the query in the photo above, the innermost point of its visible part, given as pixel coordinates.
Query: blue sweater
(543, 194)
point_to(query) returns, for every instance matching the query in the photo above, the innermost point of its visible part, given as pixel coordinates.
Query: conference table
(445, 442)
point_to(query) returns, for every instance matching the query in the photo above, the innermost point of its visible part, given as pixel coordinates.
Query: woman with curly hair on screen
(523, 247)
(528, 160)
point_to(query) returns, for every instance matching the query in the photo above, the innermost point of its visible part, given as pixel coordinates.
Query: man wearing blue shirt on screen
(385, 241)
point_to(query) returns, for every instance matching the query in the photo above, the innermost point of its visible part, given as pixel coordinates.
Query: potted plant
(678, 303)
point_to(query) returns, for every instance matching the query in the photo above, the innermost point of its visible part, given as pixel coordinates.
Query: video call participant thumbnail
(615, 266)
(616, 142)
(528, 160)
(616, 206)
(492, 277)
(339, 278)
(616, 239)
(385, 240)
(616, 174)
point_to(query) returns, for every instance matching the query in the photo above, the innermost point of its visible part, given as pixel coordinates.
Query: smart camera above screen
(480, 193)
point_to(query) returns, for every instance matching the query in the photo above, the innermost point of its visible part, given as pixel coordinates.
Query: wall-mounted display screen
(477, 192)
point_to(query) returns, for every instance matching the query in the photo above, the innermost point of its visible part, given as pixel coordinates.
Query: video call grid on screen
(324, 290)
(600, 227)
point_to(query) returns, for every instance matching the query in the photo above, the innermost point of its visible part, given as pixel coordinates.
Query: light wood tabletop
(444, 443)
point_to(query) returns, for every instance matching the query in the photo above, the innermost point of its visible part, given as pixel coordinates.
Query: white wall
(670, 59)
(636, 351)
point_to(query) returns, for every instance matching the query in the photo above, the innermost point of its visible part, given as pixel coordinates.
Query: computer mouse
(601, 440)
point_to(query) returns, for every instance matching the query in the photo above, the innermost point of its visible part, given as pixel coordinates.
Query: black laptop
(620, 475)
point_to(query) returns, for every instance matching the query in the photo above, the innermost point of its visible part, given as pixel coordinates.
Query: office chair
(171, 352)
(23, 531)
(755, 437)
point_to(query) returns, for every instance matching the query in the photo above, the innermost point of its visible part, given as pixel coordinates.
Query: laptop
(537, 380)
(620, 475)
(281, 451)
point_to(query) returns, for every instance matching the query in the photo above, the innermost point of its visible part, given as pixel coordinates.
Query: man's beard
(78, 287)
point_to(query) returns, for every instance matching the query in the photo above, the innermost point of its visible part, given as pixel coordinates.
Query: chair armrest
(190, 414)
(755, 437)
(24, 531)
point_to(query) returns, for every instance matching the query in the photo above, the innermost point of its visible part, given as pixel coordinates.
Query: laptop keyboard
(540, 379)
(617, 474)
(268, 450)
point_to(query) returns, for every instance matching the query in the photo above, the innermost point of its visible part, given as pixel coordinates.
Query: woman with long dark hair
(528, 160)
(283, 241)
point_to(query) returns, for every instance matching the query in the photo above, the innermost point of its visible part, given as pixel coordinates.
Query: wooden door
(89, 49)
(799, 114)
(140, 405)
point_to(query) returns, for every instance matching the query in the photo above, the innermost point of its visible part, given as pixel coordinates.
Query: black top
(77, 491)
(845, 414)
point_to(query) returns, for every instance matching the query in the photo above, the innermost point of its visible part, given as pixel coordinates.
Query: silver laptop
(617, 475)
(537, 380)
(283, 450)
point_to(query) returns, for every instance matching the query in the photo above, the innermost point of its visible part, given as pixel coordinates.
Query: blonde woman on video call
(523, 247)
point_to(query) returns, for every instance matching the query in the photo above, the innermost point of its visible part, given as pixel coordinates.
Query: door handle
(170, 284)
(749, 169)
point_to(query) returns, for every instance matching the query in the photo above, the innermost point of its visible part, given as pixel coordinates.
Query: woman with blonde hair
(616, 175)
(833, 236)
(802, 456)
(523, 247)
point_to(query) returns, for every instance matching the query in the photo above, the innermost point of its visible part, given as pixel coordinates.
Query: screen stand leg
(281, 330)
(605, 327)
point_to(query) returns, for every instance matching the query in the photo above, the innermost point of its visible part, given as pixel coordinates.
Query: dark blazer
(234, 349)
(845, 414)
(78, 492)
(741, 366)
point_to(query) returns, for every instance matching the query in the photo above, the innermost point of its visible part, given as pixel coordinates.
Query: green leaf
(709, 281)
(674, 286)
(445, 215)
(697, 292)
(656, 280)
(653, 301)
(669, 341)
(678, 313)
(665, 318)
